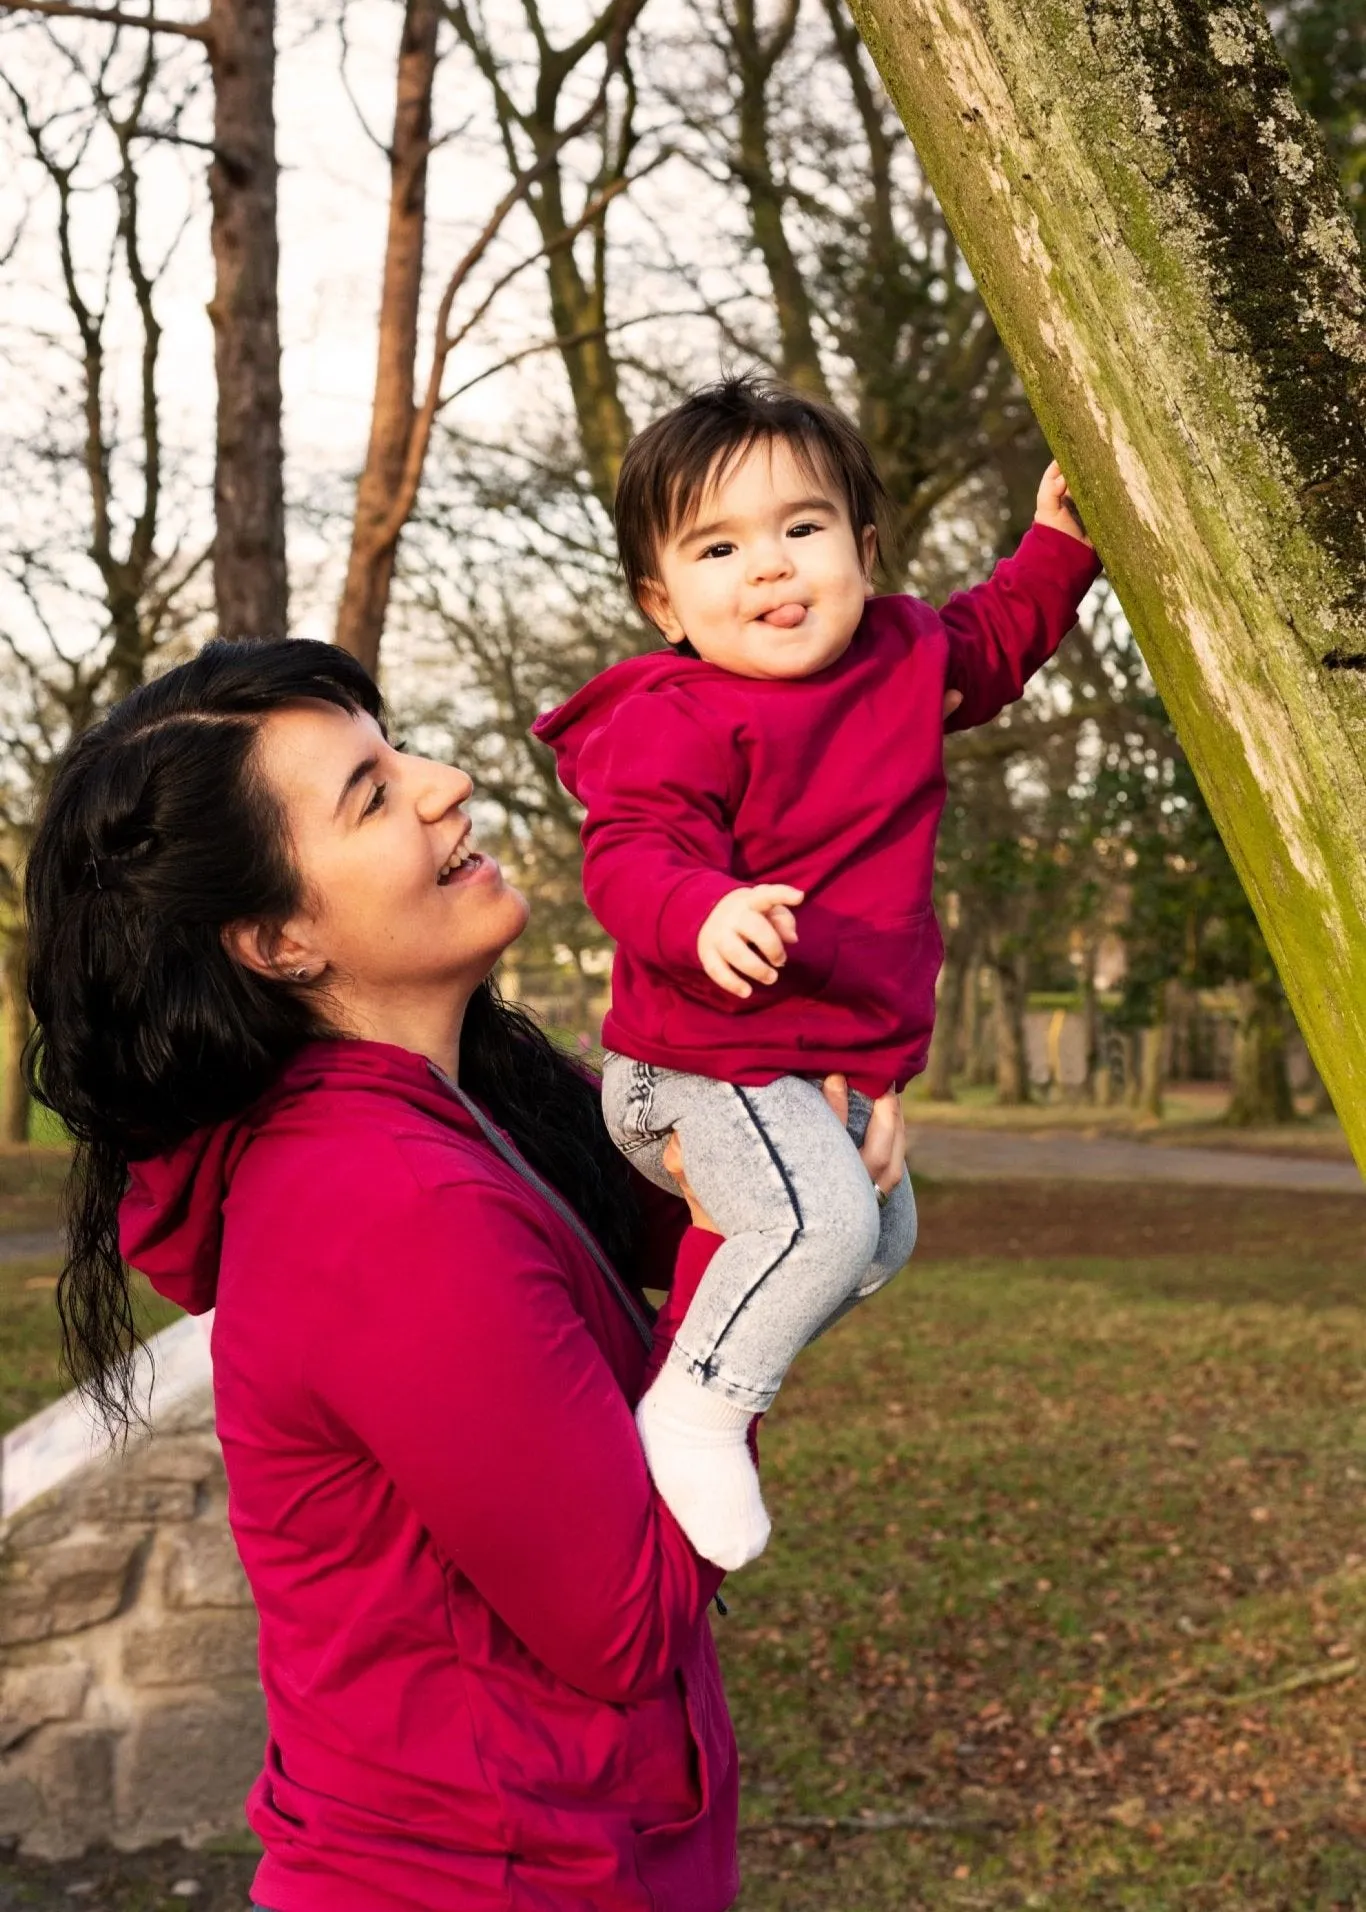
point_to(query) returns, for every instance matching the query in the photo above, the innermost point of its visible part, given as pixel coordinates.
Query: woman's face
(399, 905)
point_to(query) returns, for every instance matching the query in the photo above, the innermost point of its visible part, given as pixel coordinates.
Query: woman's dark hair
(670, 466)
(157, 832)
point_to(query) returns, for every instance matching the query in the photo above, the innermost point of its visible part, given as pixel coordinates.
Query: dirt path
(949, 1153)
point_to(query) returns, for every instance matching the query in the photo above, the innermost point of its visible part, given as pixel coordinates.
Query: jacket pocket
(880, 989)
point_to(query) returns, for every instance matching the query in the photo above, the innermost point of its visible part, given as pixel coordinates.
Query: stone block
(72, 1768)
(118, 1497)
(19, 1804)
(49, 1591)
(192, 1649)
(35, 1695)
(203, 1570)
(189, 1457)
(185, 1767)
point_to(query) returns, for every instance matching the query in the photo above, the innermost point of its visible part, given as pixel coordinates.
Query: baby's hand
(746, 936)
(1054, 505)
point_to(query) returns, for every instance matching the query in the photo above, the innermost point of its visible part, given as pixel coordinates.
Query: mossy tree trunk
(1161, 240)
(1009, 975)
(15, 1024)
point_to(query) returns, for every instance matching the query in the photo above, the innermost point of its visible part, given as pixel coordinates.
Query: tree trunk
(1152, 1073)
(979, 1040)
(1261, 1082)
(14, 1028)
(249, 577)
(1162, 243)
(1012, 1057)
(370, 568)
(948, 1019)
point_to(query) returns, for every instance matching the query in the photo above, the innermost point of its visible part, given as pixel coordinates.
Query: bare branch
(110, 16)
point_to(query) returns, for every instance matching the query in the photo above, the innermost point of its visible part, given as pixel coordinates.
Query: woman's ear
(653, 600)
(271, 953)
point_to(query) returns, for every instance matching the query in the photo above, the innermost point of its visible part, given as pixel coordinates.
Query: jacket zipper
(515, 1162)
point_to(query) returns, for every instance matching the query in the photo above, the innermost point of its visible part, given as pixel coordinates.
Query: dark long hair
(157, 832)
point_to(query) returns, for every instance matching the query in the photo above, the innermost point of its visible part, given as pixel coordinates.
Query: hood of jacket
(568, 727)
(171, 1216)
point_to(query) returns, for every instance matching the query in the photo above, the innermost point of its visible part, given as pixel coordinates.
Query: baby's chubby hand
(1054, 505)
(747, 934)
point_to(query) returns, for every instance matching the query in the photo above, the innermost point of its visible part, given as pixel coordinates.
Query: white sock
(694, 1441)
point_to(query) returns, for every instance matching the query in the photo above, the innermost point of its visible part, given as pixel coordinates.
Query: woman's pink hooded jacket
(489, 1673)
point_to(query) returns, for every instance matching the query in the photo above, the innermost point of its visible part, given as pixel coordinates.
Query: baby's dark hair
(670, 466)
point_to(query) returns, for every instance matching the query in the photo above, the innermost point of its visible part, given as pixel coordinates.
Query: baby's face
(769, 579)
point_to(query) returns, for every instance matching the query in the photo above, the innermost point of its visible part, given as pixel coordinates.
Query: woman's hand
(884, 1146)
(673, 1161)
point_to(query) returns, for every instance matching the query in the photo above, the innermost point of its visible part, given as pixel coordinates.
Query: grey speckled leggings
(782, 1180)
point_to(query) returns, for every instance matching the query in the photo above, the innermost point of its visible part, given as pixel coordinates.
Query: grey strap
(504, 1148)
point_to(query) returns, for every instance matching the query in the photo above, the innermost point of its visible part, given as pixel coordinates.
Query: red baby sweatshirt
(697, 781)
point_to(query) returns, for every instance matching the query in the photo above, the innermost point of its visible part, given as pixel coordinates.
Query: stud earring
(300, 974)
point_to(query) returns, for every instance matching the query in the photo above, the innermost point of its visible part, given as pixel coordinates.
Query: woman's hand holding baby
(1054, 505)
(746, 935)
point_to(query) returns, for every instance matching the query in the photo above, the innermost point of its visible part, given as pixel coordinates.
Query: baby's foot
(694, 1441)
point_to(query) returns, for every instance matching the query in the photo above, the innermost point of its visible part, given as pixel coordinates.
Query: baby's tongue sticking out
(786, 617)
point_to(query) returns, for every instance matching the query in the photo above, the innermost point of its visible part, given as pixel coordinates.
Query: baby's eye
(803, 530)
(377, 800)
(718, 550)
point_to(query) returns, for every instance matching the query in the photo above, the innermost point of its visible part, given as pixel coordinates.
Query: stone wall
(130, 1710)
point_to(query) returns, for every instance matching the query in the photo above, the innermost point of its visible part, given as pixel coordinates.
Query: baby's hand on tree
(1054, 506)
(746, 936)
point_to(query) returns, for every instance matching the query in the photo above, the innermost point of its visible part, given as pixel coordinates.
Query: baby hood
(568, 728)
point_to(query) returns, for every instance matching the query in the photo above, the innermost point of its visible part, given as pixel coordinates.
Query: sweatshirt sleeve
(495, 1414)
(657, 842)
(1004, 630)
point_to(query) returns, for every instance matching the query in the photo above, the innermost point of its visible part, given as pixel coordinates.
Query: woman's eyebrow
(358, 775)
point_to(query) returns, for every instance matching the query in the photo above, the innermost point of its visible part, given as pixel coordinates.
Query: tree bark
(15, 1023)
(1162, 243)
(948, 1020)
(1261, 1083)
(249, 577)
(1152, 1074)
(1012, 1056)
(370, 568)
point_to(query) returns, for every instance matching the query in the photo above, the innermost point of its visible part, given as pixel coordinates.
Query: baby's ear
(653, 600)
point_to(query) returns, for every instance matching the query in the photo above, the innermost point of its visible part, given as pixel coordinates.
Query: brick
(72, 1768)
(192, 1649)
(185, 1767)
(19, 1804)
(49, 1591)
(203, 1570)
(117, 1497)
(33, 1696)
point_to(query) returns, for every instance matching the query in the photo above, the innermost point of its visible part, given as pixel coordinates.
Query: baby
(762, 801)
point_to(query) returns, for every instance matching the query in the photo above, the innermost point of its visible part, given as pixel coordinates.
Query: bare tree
(238, 36)
(128, 590)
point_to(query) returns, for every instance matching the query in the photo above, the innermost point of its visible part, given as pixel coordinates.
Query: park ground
(1066, 1605)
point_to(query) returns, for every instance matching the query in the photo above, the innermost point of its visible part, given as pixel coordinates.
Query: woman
(261, 947)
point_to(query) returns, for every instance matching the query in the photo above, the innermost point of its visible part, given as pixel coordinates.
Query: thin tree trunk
(1090, 1018)
(1161, 240)
(1152, 1072)
(15, 1023)
(953, 985)
(249, 577)
(1012, 1056)
(370, 568)
(979, 1045)
(1261, 1082)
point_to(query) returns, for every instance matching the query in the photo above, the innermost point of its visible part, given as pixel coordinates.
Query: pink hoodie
(696, 781)
(489, 1675)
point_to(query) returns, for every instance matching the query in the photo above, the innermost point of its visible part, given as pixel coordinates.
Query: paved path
(948, 1153)
(30, 1244)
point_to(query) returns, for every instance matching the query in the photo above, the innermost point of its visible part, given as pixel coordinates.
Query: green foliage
(1323, 43)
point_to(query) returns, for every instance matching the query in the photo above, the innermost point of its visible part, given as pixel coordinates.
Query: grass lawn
(1067, 1592)
(1068, 1587)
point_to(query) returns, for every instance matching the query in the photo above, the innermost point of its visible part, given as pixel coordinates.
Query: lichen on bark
(1157, 231)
